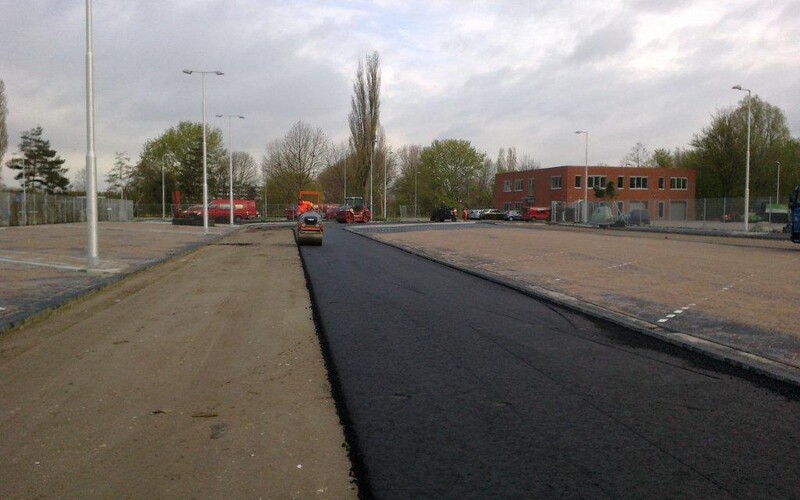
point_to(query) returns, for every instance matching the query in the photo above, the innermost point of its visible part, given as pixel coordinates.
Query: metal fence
(30, 208)
(722, 214)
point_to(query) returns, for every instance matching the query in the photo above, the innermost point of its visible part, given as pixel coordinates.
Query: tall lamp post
(747, 164)
(92, 257)
(24, 195)
(230, 167)
(205, 160)
(163, 189)
(416, 174)
(385, 218)
(585, 214)
(778, 184)
(371, 154)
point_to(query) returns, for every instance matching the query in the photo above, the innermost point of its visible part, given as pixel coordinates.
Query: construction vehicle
(353, 210)
(309, 228)
(794, 215)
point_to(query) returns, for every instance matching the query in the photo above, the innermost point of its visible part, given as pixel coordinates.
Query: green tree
(663, 158)
(179, 150)
(451, 172)
(364, 120)
(40, 167)
(720, 149)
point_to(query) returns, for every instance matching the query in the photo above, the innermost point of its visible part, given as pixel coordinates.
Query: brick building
(666, 193)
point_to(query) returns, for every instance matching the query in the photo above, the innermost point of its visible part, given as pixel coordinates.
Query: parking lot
(43, 266)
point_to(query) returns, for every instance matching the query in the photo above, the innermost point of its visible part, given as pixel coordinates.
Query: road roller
(309, 228)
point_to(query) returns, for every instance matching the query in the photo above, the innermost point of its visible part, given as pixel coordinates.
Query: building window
(530, 186)
(660, 209)
(620, 182)
(517, 184)
(577, 181)
(597, 180)
(506, 207)
(507, 186)
(660, 183)
(518, 206)
(555, 182)
(679, 183)
(638, 183)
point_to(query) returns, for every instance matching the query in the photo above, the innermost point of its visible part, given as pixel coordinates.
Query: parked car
(512, 215)
(537, 213)
(475, 213)
(442, 214)
(491, 214)
(638, 218)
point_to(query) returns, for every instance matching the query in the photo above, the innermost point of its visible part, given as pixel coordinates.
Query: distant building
(666, 193)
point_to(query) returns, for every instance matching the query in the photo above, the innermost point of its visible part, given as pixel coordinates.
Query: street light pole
(24, 195)
(230, 167)
(416, 174)
(205, 160)
(163, 190)
(371, 154)
(747, 164)
(778, 184)
(585, 215)
(385, 218)
(92, 257)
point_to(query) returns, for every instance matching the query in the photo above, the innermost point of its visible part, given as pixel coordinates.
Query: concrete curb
(726, 354)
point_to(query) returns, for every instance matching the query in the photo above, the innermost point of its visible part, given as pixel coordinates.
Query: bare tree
(638, 157)
(292, 163)
(120, 174)
(364, 119)
(511, 159)
(528, 163)
(500, 164)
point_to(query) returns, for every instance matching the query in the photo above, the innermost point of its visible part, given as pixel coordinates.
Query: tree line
(448, 172)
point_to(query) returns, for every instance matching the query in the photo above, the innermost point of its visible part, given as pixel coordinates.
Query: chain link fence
(765, 214)
(31, 208)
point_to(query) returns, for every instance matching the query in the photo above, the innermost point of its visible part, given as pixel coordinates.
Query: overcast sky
(523, 73)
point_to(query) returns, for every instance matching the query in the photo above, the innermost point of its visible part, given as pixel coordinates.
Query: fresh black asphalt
(454, 387)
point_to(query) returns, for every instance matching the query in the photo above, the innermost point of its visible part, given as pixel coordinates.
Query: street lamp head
(580, 132)
(188, 71)
(220, 116)
(240, 117)
(736, 87)
(219, 73)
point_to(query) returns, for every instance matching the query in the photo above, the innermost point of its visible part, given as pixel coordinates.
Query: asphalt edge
(106, 281)
(753, 363)
(358, 467)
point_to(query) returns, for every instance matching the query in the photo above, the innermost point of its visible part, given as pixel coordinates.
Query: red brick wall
(544, 194)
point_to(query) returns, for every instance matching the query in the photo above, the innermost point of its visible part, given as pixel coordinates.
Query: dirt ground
(190, 379)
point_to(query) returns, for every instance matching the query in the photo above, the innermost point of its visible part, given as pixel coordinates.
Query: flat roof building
(666, 193)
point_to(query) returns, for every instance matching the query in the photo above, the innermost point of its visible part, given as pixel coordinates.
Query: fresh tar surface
(454, 387)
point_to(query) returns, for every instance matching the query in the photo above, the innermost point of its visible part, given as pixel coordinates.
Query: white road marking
(42, 264)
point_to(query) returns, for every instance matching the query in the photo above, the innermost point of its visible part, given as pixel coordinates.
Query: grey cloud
(603, 43)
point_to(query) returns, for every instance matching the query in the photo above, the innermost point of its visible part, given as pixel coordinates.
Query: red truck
(219, 210)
